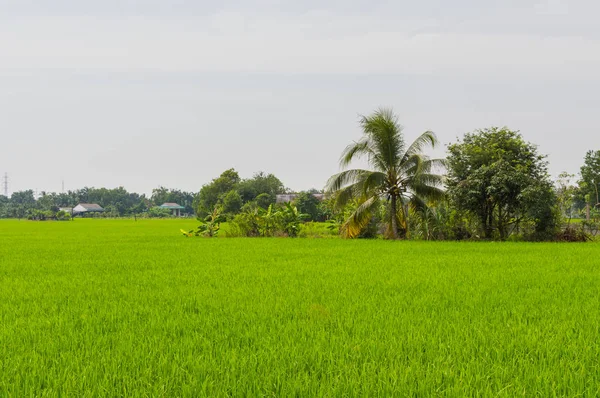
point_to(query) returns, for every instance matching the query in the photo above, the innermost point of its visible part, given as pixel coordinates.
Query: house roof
(88, 207)
(171, 206)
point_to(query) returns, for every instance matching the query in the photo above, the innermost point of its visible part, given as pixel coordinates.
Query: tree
(590, 178)
(308, 204)
(565, 193)
(210, 194)
(21, 202)
(232, 203)
(290, 219)
(261, 183)
(402, 175)
(162, 195)
(501, 180)
(210, 225)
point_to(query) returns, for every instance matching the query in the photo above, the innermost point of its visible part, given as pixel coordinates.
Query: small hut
(174, 207)
(87, 208)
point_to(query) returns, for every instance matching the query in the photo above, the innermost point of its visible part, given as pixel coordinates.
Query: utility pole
(5, 184)
(63, 186)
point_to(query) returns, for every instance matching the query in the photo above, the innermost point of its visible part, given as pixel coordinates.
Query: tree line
(492, 185)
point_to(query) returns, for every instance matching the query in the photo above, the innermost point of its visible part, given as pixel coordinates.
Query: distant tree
(502, 180)
(566, 193)
(162, 195)
(47, 201)
(232, 203)
(21, 203)
(590, 178)
(212, 193)
(401, 175)
(261, 183)
(264, 200)
(308, 204)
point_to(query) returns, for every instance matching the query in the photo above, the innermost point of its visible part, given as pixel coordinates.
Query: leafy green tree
(566, 193)
(232, 203)
(308, 204)
(290, 219)
(590, 178)
(210, 226)
(264, 200)
(212, 193)
(401, 175)
(500, 179)
(21, 203)
(261, 183)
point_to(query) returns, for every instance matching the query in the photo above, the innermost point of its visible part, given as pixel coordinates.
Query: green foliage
(249, 221)
(502, 181)
(318, 230)
(40, 215)
(566, 194)
(261, 184)
(158, 212)
(290, 219)
(401, 176)
(211, 194)
(264, 200)
(163, 195)
(210, 226)
(63, 216)
(232, 203)
(590, 178)
(262, 188)
(274, 221)
(308, 204)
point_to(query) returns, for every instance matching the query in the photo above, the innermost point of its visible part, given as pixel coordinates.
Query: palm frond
(356, 150)
(428, 192)
(426, 139)
(386, 134)
(340, 180)
(359, 218)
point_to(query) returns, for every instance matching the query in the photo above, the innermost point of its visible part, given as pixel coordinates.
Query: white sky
(149, 93)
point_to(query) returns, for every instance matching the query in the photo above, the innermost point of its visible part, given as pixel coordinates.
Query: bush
(158, 212)
(40, 215)
(63, 216)
(317, 230)
(572, 235)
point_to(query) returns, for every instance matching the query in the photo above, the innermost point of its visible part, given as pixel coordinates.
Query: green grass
(123, 308)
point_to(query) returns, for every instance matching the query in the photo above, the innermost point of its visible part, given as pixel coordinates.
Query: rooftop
(171, 206)
(88, 207)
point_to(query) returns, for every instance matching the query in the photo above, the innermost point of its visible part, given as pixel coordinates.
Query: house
(290, 197)
(85, 208)
(174, 207)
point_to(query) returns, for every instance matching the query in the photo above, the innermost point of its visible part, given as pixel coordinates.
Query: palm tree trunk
(394, 218)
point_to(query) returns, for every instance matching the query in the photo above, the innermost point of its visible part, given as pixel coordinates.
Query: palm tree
(401, 177)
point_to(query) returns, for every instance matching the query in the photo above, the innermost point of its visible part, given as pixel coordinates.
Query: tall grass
(124, 308)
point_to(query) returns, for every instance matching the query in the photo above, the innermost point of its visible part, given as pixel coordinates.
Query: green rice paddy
(123, 308)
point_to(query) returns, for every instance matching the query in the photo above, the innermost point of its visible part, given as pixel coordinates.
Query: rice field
(123, 308)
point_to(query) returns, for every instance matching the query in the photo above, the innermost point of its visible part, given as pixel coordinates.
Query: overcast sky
(150, 93)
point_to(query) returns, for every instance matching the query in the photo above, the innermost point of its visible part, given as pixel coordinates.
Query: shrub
(317, 230)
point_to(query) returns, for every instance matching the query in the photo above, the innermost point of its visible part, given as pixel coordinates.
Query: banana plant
(210, 225)
(291, 219)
